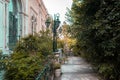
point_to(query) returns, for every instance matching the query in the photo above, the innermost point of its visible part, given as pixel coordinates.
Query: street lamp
(47, 23)
(56, 24)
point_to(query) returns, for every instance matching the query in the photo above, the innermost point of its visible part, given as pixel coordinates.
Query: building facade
(19, 18)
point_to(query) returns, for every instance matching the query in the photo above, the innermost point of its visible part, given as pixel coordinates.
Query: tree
(95, 25)
(66, 38)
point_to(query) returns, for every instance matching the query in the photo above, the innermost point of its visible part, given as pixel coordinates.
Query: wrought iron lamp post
(56, 24)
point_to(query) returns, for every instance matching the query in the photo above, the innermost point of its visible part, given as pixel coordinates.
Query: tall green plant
(0, 54)
(28, 58)
(96, 28)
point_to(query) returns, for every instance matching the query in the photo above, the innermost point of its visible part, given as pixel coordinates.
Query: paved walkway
(77, 69)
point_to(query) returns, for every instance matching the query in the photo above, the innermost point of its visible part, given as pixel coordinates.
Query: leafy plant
(0, 54)
(29, 56)
(95, 26)
(56, 65)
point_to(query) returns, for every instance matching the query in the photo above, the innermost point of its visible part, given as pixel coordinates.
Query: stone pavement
(77, 69)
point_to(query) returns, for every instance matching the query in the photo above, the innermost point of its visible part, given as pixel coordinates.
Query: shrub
(28, 57)
(56, 65)
(107, 70)
(22, 67)
(0, 54)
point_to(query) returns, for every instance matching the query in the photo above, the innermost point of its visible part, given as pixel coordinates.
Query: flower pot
(57, 72)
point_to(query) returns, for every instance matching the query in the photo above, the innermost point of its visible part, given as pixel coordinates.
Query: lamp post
(56, 24)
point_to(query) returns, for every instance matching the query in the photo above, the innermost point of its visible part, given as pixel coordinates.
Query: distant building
(18, 18)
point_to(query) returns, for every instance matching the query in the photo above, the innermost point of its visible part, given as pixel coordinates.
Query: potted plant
(57, 69)
(57, 65)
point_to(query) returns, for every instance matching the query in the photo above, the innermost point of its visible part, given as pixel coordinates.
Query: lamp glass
(47, 23)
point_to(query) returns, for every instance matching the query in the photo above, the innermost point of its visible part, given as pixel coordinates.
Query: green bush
(0, 54)
(0, 59)
(41, 42)
(28, 58)
(96, 26)
(23, 67)
(60, 43)
(56, 65)
(106, 70)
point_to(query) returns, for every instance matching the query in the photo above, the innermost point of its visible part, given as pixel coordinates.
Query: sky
(58, 6)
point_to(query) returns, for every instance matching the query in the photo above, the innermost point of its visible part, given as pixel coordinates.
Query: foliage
(0, 54)
(56, 65)
(45, 40)
(60, 43)
(41, 42)
(0, 59)
(67, 38)
(95, 25)
(28, 58)
(21, 66)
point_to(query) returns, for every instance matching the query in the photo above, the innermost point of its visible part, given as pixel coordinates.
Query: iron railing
(46, 73)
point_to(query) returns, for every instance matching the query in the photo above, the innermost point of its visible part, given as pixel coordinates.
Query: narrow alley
(77, 69)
